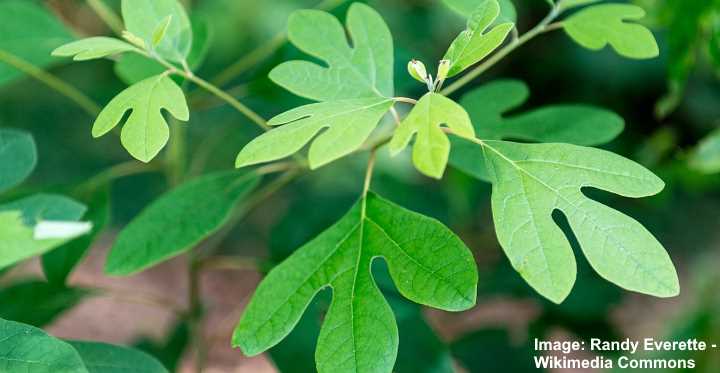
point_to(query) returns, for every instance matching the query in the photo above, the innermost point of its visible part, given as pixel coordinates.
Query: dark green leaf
(106, 358)
(24, 348)
(18, 157)
(38, 303)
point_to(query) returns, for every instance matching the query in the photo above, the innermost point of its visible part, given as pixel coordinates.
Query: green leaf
(38, 303)
(474, 44)
(599, 25)
(29, 32)
(161, 30)
(427, 262)
(564, 5)
(530, 181)
(432, 147)
(706, 155)
(466, 8)
(93, 48)
(349, 123)
(59, 263)
(27, 349)
(171, 350)
(142, 18)
(106, 358)
(178, 221)
(18, 157)
(488, 105)
(145, 132)
(41, 207)
(362, 70)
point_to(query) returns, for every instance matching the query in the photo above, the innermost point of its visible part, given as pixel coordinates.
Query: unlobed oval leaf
(18, 157)
(178, 221)
(349, 123)
(599, 25)
(145, 132)
(24, 348)
(427, 262)
(93, 48)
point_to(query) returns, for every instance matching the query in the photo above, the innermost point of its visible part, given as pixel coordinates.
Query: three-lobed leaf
(427, 262)
(348, 124)
(106, 358)
(18, 157)
(474, 44)
(178, 221)
(143, 18)
(24, 348)
(145, 132)
(531, 181)
(432, 146)
(599, 25)
(93, 48)
(362, 70)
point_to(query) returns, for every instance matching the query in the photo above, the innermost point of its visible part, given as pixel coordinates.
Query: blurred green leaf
(362, 70)
(426, 120)
(24, 348)
(145, 132)
(170, 351)
(706, 156)
(93, 48)
(474, 44)
(142, 17)
(46, 207)
(29, 32)
(106, 358)
(530, 181)
(564, 5)
(177, 221)
(465, 8)
(599, 25)
(18, 157)
(38, 303)
(348, 122)
(360, 335)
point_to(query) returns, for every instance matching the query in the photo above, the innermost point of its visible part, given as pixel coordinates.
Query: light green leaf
(38, 303)
(427, 262)
(487, 105)
(177, 221)
(530, 181)
(145, 132)
(362, 70)
(106, 358)
(564, 5)
(432, 147)
(706, 155)
(142, 18)
(93, 48)
(161, 31)
(599, 25)
(27, 349)
(466, 8)
(18, 157)
(30, 32)
(348, 122)
(474, 44)
(19, 218)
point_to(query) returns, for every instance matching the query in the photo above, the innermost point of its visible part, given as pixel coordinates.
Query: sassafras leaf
(362, 70)
(427, 262)
(597, 26)
(348, 122)
(146, 132)
(432, 146)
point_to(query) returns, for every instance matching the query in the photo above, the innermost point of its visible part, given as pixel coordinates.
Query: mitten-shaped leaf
(432, 147)
(487, 105)
(143, 17)
(146, 132)
(348, 122)
(600, 25)
(24, 348)
(362, 70)
(427, 262)
(530, 181)
(93, 48)
(18, 157)
(174, 223)
(474, 44)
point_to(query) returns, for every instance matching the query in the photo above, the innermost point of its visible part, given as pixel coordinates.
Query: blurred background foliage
(671, 106)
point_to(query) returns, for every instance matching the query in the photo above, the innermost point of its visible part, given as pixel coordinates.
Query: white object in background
(46, 229)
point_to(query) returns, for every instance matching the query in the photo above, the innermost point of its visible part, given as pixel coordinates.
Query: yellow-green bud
(417, 71)
(443, 69)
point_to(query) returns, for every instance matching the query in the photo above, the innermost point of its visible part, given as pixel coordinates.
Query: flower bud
(443, 69)
(417, 71)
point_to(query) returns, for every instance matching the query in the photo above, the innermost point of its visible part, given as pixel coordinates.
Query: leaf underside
(427, 262)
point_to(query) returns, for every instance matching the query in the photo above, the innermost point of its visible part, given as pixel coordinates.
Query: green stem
(502, 53)
(176, 154)
(51, 81)
(119, 171)
(107, 15)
